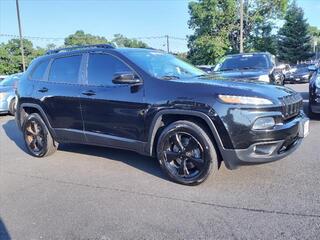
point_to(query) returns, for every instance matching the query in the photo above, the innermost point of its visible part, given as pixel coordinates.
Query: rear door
(59, 96)
(113, 113)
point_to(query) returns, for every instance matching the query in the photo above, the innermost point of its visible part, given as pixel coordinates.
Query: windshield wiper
(203, 75)
(228, 69)
(170, 77)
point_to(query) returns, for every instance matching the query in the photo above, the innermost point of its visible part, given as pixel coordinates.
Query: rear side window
(103, 67)
(65, 70)
(39, 70)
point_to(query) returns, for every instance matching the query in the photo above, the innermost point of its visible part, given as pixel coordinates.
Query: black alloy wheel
(38, 139)
(186, 153)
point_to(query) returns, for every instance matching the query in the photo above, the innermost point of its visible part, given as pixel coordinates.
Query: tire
(311, 114)
(186, 153)
(37, 137)
(12, 109)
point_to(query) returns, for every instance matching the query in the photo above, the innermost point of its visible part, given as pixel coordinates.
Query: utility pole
(168, 48)
(20, 34)
(241, 26)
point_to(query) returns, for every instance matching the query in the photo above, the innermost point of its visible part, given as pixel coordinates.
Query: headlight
(264, 78)
(305, 76)
(244, 100)
(2, 95)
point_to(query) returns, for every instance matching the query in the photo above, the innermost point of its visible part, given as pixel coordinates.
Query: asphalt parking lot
(85, 192)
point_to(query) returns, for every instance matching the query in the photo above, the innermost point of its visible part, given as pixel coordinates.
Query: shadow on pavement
(4, 235)
(11, 130)
(143, 163)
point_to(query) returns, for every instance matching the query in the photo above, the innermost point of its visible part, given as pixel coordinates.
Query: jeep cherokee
(155, 104)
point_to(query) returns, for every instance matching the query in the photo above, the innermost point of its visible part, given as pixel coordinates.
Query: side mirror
(125, 78)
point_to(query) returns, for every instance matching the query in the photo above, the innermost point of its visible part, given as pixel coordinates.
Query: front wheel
(37, 137)
(12, 107)
(186, 153)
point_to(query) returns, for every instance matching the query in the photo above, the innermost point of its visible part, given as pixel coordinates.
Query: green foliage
(216, 27)
(81, 38)
(10, 55)
(122, 41)
(259, 20)
(212, 21)
(294, 38)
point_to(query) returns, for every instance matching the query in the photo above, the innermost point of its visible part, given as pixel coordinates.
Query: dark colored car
(206, 68)
(314, 92)
(254, 66)
(152, 103)
(300, 75)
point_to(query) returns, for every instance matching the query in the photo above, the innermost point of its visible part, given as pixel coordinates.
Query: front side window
(65, 69)
(103, 67)
(39, 70)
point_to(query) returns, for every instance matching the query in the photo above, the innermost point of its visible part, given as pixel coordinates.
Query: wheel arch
(165, 117)
(26, 109)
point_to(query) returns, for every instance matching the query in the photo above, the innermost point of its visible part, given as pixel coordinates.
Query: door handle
(43, 90)
(89, 93)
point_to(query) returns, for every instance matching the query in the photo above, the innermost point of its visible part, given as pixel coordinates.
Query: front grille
(291, 105)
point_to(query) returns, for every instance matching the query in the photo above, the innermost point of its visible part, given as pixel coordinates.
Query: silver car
(7, 93)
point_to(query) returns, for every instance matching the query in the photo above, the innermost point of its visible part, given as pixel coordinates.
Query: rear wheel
(186, 153)
(38, 139)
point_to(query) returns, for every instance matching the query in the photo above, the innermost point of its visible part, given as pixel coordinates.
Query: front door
(113, 113)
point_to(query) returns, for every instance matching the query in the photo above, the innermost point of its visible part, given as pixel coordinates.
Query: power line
(62, 38)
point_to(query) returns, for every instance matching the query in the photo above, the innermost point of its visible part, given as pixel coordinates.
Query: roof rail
(68, 49)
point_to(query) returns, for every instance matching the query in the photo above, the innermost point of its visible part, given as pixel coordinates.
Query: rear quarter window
(39, 70)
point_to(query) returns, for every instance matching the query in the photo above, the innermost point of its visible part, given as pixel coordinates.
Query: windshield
(9, 81)
(162, 65)
(247, 61)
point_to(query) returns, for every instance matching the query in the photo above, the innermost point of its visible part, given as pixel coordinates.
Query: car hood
(247, 74)
(241, 87)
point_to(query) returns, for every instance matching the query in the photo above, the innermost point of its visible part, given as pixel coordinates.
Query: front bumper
(268, 151)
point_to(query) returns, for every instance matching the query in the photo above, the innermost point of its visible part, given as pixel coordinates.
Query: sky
(145, 19)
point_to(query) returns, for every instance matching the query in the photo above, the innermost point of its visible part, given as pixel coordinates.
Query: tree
(294, 38)
(81, 38)
(123, 41)
(259, 20)
(10, 55)
(212, 21)
(217, 27)
(315, 38)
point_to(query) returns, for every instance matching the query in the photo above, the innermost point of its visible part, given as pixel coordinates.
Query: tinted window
(39, 70)
(247, 61)
(102, 67)
(65, 70)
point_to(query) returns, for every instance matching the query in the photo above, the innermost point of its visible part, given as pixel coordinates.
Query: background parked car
(206, 68)
(7, 93)
(2, 77)
(301, 73)
(251, 66)
(314, 92)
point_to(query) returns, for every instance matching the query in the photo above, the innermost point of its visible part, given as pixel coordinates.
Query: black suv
(152, 103)
(253, 66)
